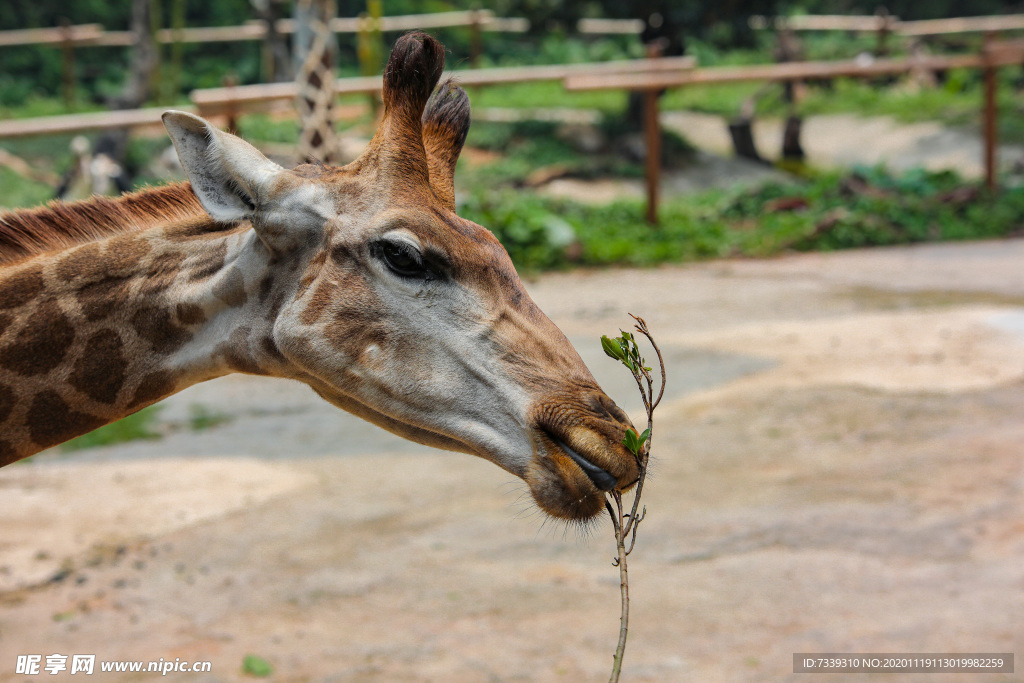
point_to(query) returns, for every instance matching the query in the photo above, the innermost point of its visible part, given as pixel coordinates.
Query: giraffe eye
(402, 259)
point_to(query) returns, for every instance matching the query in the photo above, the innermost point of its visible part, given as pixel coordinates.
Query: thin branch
(626, 525)
(641, 327)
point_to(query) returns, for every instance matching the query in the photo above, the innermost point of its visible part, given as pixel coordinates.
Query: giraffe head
(405, 314)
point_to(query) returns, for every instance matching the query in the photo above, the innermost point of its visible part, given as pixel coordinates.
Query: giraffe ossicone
(360, 281)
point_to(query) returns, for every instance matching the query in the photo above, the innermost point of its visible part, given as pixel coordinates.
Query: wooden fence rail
(786, 71)
(250, 97)
(77, 123)
(875, 23)
(93, 35)
(239, 99)
(81, 34)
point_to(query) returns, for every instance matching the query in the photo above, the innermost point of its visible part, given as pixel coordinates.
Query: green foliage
(30, 71)
(201, 418)
(868, 207)
(19, 191)
(532, 231)
(137, 426)
(624, 349)
(545, 94)
(254, 665)
(265, 128)
(528, 147)
(633, 442)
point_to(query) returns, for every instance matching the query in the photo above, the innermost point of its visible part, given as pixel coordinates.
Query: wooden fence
(995, 54)
(646, 75)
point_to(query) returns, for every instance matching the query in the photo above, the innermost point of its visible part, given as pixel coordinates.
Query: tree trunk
(791, 147)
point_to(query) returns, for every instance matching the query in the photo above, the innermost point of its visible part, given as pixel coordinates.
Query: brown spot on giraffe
(190, 314)
(6, 402)
(38, 349)
(352, 328)
(164, 270)
(269, 349)
(153, 387)
(100, 372)
(129, 249)
(100, 299)
(79, 262)
(156, 327)
(21, 288)
(312, 270)
(208, 264)
(7, 453)
(318, 303)
(50, 420)
(231, 289)
(266, 287)
(237, 355)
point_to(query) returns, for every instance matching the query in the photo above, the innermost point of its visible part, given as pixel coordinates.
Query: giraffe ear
(230, 176)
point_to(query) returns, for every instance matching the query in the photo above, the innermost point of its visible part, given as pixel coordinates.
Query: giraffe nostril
(605, 406)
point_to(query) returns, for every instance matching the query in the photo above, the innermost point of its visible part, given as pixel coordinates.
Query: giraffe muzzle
(601, 478)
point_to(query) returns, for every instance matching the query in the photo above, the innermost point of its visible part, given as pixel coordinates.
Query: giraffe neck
(96, 332)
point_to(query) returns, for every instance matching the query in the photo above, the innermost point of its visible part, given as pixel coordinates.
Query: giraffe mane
(60, 225)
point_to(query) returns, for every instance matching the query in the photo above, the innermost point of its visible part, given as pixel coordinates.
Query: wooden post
(885, 22)
(475, 38)
(652, 136)
(230, 80)
(68, 50)
(156, 18)
(172, 83)
(990, 117)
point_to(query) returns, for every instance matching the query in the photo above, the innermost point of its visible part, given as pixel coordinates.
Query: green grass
(135, 427)
(201, 418)
(545, 94)
(866, 208)
(19, 191)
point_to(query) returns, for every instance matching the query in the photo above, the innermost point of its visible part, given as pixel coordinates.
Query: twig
(625, 526)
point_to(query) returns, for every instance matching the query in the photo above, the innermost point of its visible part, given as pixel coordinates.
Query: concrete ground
(838, 468)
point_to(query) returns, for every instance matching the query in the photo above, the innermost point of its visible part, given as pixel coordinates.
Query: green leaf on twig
(612, 347)
(635, 443)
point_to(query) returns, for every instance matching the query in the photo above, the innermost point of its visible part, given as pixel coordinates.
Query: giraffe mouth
(601, 478)
(566, 481)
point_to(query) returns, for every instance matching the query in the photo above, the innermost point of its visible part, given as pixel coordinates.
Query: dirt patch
(53, 515)
(844, 140)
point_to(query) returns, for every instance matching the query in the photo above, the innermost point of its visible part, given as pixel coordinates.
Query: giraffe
(360, 281)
